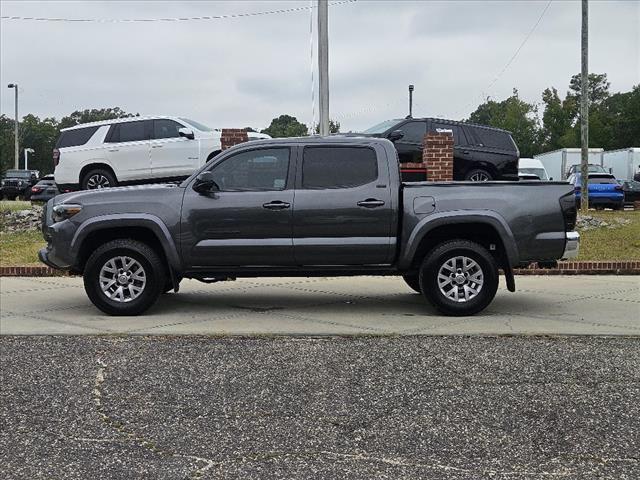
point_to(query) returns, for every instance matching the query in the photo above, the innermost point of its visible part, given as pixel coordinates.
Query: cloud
(246, 71)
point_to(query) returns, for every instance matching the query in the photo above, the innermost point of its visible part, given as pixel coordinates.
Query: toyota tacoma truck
(314, 206)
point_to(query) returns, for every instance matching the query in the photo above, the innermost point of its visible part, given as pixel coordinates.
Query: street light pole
(584, 110)
(323, 64)
(15, 127)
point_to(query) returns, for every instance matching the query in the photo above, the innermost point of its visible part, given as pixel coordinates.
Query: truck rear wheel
(98, 178)
(459, 277)
(413, 281)
(124, 277)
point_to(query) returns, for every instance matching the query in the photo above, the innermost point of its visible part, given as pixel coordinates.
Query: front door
(343, 211)
(246, 221)
(171, 154)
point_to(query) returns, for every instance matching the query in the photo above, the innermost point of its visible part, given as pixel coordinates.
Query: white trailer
(623, 163)
(558, 162)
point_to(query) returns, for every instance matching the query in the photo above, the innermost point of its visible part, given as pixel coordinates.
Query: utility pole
(584, 109)
(410, 101)
(323, 64)
(15, 127)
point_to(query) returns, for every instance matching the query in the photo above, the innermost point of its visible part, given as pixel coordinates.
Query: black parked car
(480, 153)
(631, 189)
(18, 183)
(44, 190)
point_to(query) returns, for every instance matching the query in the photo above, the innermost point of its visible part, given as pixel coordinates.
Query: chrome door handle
(156, 146)
(114, 150)
(276, 205)
(371, 203)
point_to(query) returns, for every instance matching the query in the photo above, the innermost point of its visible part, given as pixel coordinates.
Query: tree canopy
(285, 126)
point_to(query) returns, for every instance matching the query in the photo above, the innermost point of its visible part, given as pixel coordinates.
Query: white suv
(132, 150)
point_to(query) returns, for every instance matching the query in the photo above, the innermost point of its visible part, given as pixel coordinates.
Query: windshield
(591, 168)
(382, 127)
(18, 173)
(538, 172)
(197, 125)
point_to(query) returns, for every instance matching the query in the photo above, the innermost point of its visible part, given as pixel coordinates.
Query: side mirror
(186, 132)
(396, 135)
(205, 183)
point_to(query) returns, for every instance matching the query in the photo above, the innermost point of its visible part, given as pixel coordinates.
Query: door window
(414, 132)
(338, 167)
(494, 138)
(165, 128)
(459, 138)
(127, 132)
(264, 169)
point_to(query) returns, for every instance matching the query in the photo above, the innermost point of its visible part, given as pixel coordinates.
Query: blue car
(604, 190)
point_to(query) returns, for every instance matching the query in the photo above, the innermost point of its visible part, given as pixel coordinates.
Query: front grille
(11, 183)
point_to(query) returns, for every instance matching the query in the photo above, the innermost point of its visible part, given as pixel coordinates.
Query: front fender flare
(459, 217)
(145, 220)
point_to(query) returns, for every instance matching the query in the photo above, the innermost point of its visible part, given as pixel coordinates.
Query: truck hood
(142, 193)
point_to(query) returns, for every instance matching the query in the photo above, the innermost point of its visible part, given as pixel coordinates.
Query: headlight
(20, 182)
(2, 183)
(64, 211)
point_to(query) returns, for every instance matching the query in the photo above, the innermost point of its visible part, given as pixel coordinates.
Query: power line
(504, 69)
(177, 19)
(514, 56)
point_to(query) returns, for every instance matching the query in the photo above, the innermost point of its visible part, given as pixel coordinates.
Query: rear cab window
(75, 137)
(327, 167)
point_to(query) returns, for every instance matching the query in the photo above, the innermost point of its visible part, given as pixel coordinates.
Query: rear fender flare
(431, 222)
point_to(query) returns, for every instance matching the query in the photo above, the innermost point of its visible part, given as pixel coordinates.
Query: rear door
(128, 149)
(171, 154)
(343, 209)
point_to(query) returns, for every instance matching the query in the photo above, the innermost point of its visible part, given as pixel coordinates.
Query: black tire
(436, 260)
(98, 178)
(478, 175)
(413, 281)
(154, 272)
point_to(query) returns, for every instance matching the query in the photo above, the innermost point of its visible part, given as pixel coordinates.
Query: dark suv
(18, 183)
(480, 153)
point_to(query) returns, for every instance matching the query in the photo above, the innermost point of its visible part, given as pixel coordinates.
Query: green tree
(41, 136)
(514, 115)
(557, 121)
(622, 111)
(334, 127)
(285, 126)
(94, 115)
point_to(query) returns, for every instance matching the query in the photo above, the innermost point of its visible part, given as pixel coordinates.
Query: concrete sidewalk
(600, 305)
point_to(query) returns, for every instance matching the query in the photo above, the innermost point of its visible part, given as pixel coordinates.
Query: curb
(626, 267)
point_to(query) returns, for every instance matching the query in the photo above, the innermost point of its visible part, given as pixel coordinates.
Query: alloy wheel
(460, 279)
(97, 180)
(479, 177)
(122, 279)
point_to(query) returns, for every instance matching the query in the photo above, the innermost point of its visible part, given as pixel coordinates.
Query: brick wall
(437, 155)
(232, 136)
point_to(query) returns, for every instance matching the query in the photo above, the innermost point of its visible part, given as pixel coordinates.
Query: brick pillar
(232, 136)
(437, 154)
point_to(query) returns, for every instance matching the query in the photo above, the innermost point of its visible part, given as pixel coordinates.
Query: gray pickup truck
(308, 207)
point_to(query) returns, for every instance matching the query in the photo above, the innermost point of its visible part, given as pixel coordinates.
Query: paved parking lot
(606, 305)
(357, 408)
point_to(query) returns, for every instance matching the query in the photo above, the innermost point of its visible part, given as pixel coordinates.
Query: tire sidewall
(433, 263)
(478, 170)
(152, 290)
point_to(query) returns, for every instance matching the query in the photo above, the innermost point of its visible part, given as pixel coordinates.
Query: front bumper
(572, 245)
(45, 256)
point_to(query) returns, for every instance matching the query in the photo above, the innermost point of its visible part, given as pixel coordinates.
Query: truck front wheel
(124, 277)
(459, 277)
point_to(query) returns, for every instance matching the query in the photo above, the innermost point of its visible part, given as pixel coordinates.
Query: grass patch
(20, 248)
(620, 243)
(14, 206)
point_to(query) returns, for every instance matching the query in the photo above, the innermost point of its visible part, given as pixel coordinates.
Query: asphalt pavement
(413, 407)
(580, 305)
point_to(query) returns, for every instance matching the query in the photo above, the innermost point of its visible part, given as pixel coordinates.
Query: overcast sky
(239, 72)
